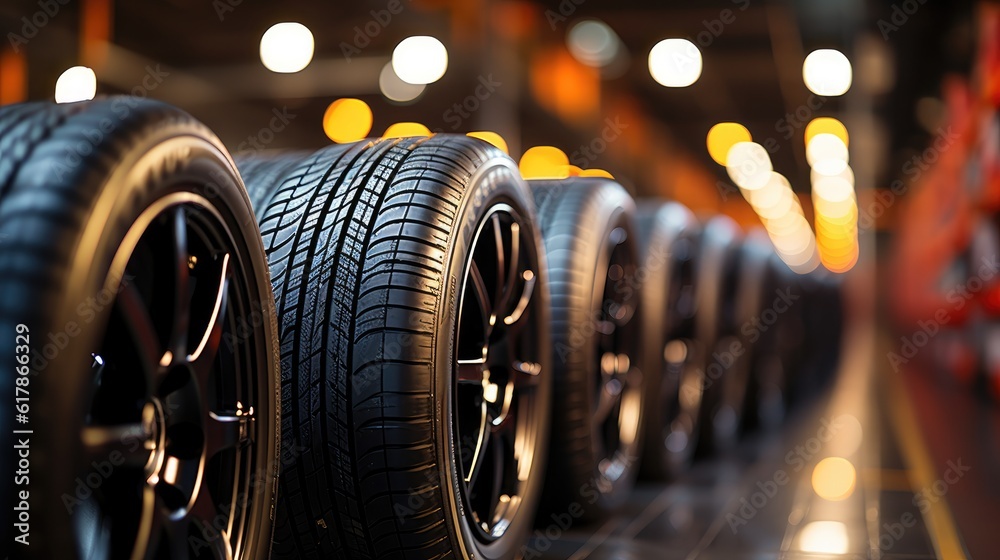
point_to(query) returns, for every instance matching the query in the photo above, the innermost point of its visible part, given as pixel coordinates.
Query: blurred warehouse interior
(893, 84)
(521, 69)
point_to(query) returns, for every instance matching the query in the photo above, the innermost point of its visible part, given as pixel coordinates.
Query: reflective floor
(854, 474)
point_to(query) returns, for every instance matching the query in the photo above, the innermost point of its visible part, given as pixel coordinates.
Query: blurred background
(878, 117)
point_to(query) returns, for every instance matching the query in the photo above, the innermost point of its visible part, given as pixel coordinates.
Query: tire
(668, 234)
(378, 252)
(824, 330)
(267, 171)
(791, 333)
(131, 257)
(761, 306)
(591, 245)
(723, 363)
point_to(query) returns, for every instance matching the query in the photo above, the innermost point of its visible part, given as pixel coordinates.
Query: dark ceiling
(752, 64)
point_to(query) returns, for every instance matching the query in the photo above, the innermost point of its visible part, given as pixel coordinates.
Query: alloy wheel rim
(498, 372)
(681, 387)
(174, 395)
(617, 385)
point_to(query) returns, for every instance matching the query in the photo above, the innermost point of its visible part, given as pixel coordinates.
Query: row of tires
(391, 349)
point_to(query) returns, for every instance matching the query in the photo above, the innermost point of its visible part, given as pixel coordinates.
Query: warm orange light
(722, 137)
(827, 125)
(492, 138)
(544, 162)
(13, 76)
(842, 265)
(347, 120)
(564, 86)
(596, 173)
(405, 130)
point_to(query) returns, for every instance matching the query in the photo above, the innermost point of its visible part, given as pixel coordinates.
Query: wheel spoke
(501, 262)
(477, 453)
(522, 304)
(483, 298)
(129, 441)
(471, 371)
(606, 404)
(152, 527)
(182, 292)
(499, 454)
(509, 271)
(527, 375)
(614, 368)
(217, 543)
(204, 354)
(139, 323)
(177, 532)
(226, 431)
(203, 516)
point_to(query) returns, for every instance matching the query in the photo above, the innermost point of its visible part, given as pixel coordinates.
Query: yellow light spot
(596, 173)
(722, 137)
(347, 120)
(574, 171)
(492, 138)
(834, 478)
(544, 162)
(406, 129)
(826, 125)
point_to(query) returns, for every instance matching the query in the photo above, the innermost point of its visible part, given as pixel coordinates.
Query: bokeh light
(749, 165)
(395, 89)
(287, 47)
(834, 479)
(347, 120)
(78, 83)
(827, 154)
(593, 43)
(406, 130)
(594, 172)
(827, 125)
(544, 162)
(421, 59)
(492, 138)
(724, 136)
(823, 537)
(675, 63)
(827, 72)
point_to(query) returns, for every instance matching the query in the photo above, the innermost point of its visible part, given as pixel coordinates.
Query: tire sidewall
(495, 182)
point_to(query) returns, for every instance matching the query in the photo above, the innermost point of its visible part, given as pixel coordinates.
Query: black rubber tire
(267, 172)
(74, 179)
(723, 356)
(668, 234)
(581, 220)
(760, 311)
(367, 245)
(824, 326)
(790, 333)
